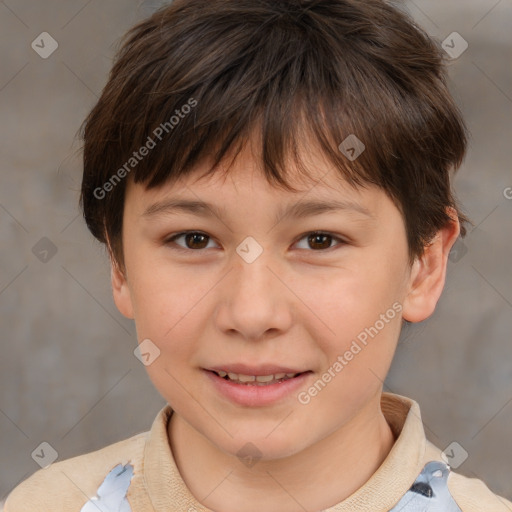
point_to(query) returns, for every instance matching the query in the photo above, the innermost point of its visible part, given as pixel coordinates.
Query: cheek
(355, 311)
(169, 312)
(160, 291)
(169, 307)
(341, 300)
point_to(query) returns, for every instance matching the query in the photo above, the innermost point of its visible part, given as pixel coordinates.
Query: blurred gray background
(68, 375)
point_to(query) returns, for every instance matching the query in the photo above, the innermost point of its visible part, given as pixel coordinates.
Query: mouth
(256, 380)
(257, 387)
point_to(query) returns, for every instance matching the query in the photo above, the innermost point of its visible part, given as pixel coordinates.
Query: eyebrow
(300, 209)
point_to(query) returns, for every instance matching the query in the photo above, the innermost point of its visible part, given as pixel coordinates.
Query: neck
(316, 478)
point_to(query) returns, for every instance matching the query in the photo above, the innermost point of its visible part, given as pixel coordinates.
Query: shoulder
(470, 494)
(67, 485)
(473, 495)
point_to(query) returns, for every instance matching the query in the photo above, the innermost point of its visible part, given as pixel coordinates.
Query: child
(260, 130)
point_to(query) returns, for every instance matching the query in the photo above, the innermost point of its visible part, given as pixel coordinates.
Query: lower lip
(254, 395)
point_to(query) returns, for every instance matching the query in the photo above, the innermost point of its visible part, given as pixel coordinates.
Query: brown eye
(319, 241)
(193, 240)
(196, 240)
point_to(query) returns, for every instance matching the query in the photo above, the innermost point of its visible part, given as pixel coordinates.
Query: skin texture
(296, 305)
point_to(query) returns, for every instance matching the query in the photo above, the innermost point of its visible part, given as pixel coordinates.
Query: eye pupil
(316, 236)
(194, 237)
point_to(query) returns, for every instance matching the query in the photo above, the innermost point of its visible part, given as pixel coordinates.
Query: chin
(255, 446)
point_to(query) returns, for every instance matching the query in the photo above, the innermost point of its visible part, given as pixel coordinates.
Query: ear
(121, 290)
(428, 273)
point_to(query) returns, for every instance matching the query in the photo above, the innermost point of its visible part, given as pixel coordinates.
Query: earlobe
(428, 273)
(121, 291)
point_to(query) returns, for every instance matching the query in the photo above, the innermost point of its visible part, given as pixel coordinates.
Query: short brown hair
(328, 68)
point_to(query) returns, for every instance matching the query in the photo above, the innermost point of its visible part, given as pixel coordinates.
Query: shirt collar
(168, 492)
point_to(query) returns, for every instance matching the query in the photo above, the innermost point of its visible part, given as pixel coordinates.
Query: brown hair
(203, 75)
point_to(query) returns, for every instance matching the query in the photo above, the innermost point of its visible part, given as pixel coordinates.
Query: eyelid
(341, 240)
(170, 239)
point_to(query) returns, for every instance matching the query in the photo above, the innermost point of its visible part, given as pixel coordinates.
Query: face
(248, 294)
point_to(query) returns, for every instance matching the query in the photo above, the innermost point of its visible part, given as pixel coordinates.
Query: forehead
(248, 198)
(243, 180)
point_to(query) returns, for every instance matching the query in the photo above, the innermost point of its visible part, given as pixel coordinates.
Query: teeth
(246, 378)
(255, 378)
(265, 378)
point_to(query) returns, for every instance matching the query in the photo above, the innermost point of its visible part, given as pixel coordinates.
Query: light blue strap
(111, 494)
(429, 492)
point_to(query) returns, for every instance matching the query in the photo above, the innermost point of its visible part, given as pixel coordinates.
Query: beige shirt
(157, 486)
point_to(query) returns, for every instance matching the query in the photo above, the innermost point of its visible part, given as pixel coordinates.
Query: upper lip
(244, 369)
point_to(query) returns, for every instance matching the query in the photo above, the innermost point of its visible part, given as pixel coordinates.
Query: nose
(254, 300)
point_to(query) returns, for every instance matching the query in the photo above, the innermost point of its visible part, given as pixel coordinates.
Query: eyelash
(174, 237)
